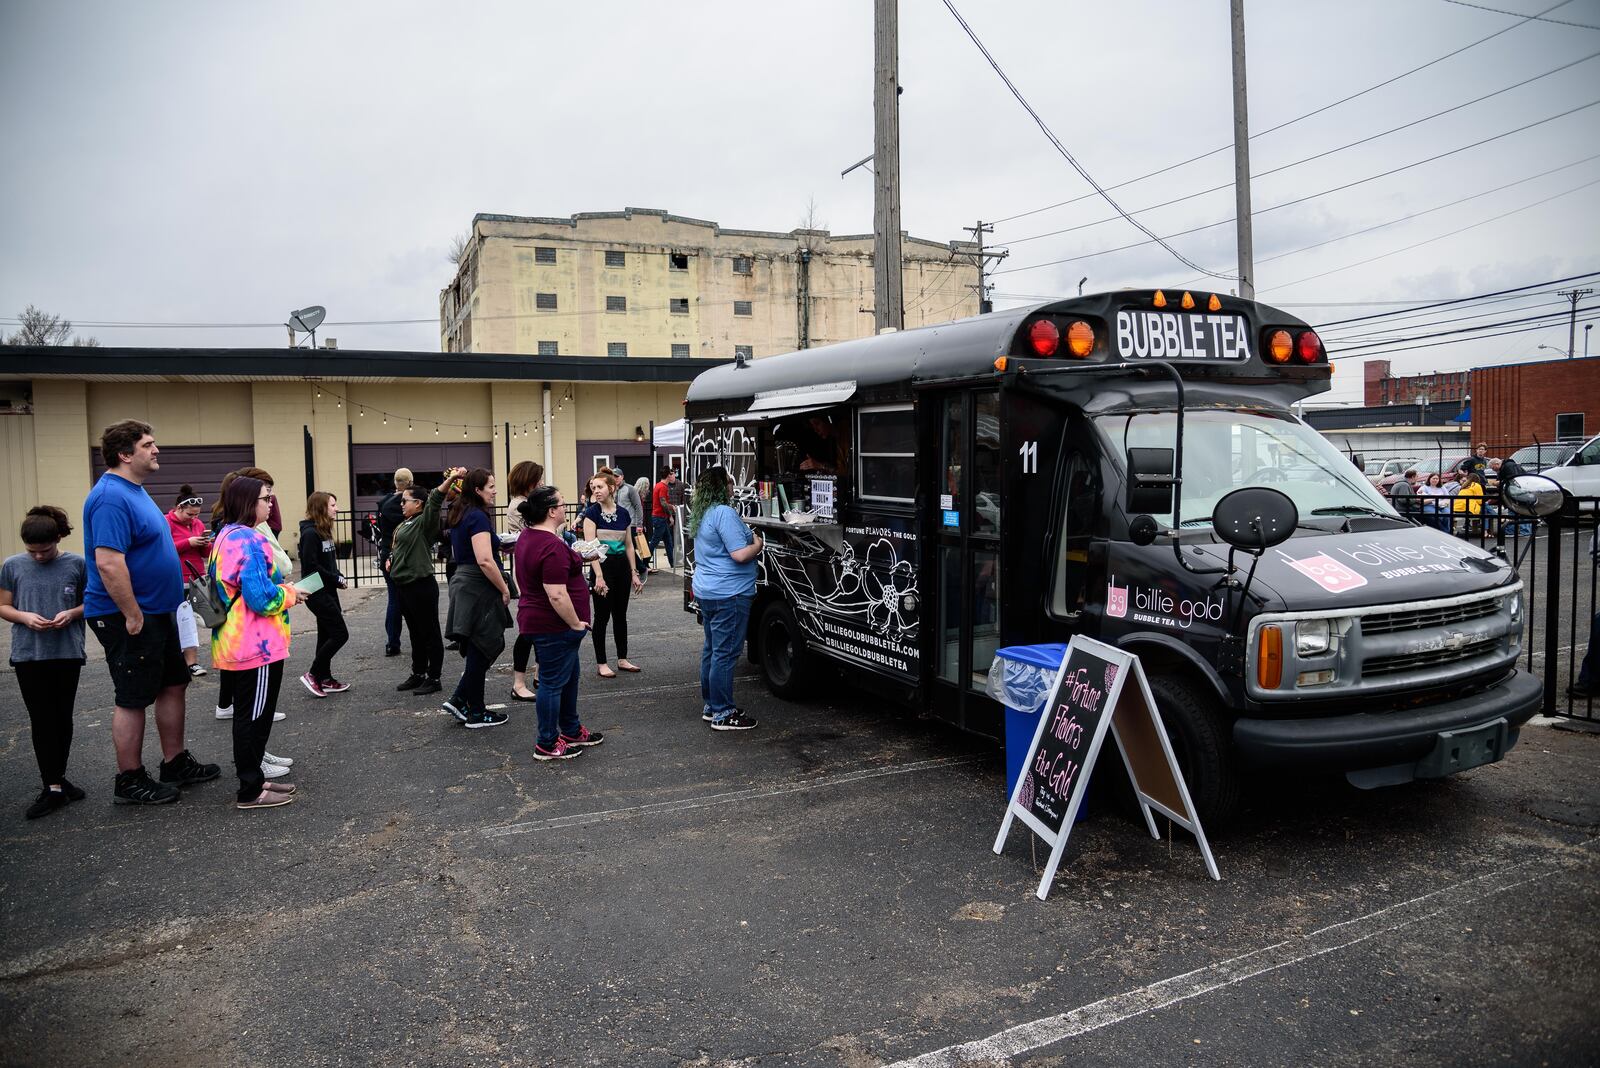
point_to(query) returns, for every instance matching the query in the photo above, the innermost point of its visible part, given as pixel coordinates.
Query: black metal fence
(358, 555)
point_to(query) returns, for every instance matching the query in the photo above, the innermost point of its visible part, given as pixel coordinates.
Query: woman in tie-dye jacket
(252, 644)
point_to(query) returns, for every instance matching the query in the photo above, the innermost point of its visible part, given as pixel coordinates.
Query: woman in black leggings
(526, 477)
(616, 575)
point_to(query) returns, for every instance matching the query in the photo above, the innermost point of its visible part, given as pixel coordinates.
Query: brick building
(1518, 404)
(1382, 387)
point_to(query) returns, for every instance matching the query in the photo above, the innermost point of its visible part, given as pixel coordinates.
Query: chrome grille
(1394, 665)
(1390, 622)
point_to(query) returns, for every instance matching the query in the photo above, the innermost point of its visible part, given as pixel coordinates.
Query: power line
(1299, 118)
(1518, 14)
(1455, 341)
(1061, 148)
(1391, 327)
(1391, 337)
(1464, 300)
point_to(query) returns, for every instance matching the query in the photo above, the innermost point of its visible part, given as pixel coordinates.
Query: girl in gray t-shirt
(41, 596)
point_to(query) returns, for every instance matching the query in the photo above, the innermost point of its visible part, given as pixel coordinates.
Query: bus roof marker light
(1080, 338)
(1160, 300)
(1280, 346)
(1187, 303)
(1308, 346)
(1214, 304)
(1044, 337)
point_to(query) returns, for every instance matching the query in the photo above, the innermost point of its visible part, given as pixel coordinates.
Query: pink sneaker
(334, 686)
(313, 685)
(584, 738)
(561, 750)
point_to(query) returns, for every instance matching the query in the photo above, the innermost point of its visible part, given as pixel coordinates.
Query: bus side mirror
(1255, 518)
(1532, 496)
(1150, 480)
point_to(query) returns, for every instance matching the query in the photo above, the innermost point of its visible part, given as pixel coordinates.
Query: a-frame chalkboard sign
(1098, 687)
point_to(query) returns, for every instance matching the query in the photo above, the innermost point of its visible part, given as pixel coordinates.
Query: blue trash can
(1020, 678)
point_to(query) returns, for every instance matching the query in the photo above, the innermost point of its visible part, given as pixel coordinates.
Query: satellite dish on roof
(306, 320)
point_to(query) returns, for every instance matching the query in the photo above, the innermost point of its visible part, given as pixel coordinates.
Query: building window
(549, 348)
(678, 305)
(680, 352)
(544, 301)
(886, 459)
(618, 304)
(544, 255)
(743, 264)
(617, 348)
(616, 259)
(746, 351)
(1569, 426)
(678, 261)
(742, 307)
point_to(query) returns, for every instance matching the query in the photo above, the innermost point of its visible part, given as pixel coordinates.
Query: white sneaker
(273, 771)
(282, 762)
(227, 713)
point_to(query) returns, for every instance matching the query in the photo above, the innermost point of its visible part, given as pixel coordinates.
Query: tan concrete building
(642, 282)
(340, 421)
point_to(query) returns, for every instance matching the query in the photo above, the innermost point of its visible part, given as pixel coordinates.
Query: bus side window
(1080, 508)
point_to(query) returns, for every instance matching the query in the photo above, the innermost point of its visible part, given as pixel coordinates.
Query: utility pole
(982, 258)
(1241, 160)
(888, 284)
(1574, 294)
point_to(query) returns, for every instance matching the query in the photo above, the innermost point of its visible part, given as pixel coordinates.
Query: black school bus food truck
(931, 495)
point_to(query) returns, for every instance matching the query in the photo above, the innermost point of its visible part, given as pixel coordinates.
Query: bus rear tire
(1200, 740)
(783, 656)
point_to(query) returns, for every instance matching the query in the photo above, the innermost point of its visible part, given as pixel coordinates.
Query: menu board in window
(822, 497)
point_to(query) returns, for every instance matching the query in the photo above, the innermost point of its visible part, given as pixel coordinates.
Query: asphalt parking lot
(819, 891)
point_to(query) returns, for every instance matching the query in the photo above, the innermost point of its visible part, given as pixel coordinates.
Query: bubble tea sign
(1098, 688)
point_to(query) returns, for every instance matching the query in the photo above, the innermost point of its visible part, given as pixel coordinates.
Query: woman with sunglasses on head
(479, 597)
(614, 575)
(252, 644)
(318, 557)
(193, 542)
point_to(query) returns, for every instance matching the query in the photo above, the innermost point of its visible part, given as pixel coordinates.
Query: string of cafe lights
(517, 430)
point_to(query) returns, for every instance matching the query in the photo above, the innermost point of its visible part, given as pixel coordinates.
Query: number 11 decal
(1030, 457)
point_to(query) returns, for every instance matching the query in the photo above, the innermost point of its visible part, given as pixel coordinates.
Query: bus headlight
(1311, 637)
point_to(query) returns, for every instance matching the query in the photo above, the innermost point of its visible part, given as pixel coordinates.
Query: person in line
(280, 560)
(615, 575)
(131, 602)
(41, 596)
(478, 615)
(319, 557)
(526, 477)
(553, 610)
(627, 497)
(725, 552)
(252, 645)
(1468, 504)
(193, 542)
(641, 523)
(416, 588)
(662, 512)
(390, 516)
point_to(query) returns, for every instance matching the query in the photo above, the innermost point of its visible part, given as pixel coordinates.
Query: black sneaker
(460, 711)
(185, 770)
(138, 788)
(427, 686)
(583, 739)
(412, 682)
(486, 718)
(72, 792)
(47, 802)
(736, 720)
(391, 650)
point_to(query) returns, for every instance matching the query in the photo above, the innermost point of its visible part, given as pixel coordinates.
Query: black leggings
(50, 689)
(256, 691)
(470, 688)
(419, 607)
(613, 607)
(332, 632)
(520, 653)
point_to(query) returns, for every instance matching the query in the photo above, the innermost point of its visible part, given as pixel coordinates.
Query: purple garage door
(200, 466)
(374, 465)
(632, 456)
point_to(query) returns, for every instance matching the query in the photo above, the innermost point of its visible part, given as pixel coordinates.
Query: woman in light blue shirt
(725, 551)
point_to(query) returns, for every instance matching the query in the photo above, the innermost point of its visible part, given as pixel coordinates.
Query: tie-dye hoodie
(256, 632)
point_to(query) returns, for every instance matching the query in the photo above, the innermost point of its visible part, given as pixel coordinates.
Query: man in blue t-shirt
(130, 603)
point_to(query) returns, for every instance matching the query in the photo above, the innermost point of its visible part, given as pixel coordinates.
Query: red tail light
(1044, 337)
(1308, 346)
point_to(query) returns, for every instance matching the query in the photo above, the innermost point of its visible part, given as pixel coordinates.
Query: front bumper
(1382, 739)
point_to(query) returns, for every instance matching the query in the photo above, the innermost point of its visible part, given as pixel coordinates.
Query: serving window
(886, 454)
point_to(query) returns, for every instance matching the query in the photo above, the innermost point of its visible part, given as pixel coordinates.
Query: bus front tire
(1200, 740)
(784, 661)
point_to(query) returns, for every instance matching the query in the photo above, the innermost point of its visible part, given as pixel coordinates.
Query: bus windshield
(1226, 449)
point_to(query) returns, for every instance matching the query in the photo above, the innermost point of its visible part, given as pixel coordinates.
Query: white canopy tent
(670, 435)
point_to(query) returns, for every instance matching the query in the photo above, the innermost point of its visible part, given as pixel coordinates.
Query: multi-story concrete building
(645, 283)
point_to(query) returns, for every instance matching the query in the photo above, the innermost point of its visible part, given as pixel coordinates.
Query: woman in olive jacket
(416, 588)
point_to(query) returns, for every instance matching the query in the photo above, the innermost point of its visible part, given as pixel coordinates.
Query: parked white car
(1580, 475)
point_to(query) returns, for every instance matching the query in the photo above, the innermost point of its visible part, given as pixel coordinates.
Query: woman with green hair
(725, 551)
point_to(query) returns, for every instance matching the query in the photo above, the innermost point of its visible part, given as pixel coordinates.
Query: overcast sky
(227, 161)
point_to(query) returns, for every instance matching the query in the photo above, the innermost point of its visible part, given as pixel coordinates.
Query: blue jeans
(1589, 669)
(660, 533)
(391, 616)
(725, 622)
(557, 655)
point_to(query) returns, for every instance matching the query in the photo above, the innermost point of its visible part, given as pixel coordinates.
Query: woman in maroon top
(553, 609)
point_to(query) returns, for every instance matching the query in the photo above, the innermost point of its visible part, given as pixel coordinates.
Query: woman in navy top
(614, 577)
(479, 598)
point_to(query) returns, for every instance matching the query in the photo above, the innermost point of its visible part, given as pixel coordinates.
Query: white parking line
(708, 800)
(1026, 1038)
